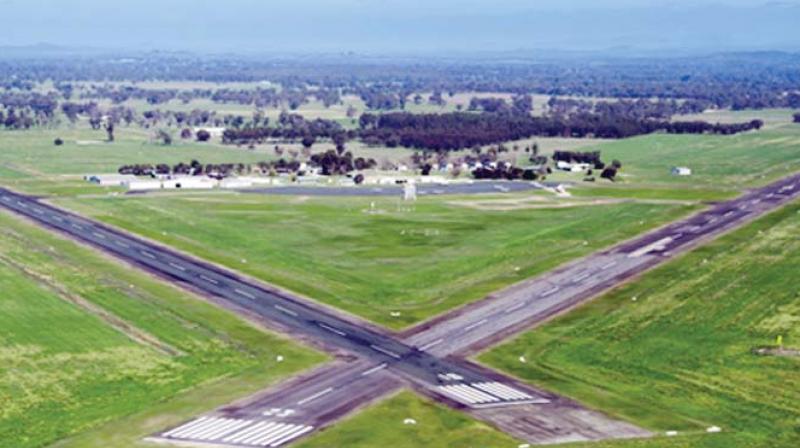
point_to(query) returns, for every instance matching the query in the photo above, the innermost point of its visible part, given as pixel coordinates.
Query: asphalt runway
(425, 356)
(481, 187)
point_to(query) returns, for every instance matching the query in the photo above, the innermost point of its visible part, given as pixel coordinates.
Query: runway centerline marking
(385, 351)
(374, 369)
(475, 325)
(430, 345)
(315, 396)
(285, 310)
(177, 266)
(208, 279)
(244, 293)
(332, 329)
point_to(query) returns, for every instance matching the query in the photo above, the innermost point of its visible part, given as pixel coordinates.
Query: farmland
(675, 350)
(86, 341)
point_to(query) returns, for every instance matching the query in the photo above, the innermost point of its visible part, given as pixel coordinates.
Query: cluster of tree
(733, 80)
(590, 157)
(461, 130)
(521, 104)
(290, 127)
(332, 162)
(193, 168)
(636, 109)
(504, 171)
(797, 118)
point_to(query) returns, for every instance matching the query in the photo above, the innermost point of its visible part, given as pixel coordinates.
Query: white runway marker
(315, 396)
(430, 345)
(374, 369)
(388, 352)
(285, 310)
(177, 266)
(245, 294)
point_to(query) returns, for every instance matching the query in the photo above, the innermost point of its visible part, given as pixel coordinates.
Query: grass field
(436, 427)
(418, 259)
(717, 162)
(85, 341)
(681, 355)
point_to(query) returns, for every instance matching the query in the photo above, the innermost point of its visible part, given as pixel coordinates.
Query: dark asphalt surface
(482, 187)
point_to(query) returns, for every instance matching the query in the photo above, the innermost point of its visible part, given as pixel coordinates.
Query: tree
(308, 141)
(164, 136)
(797, 118)
(58, 141)
(203, 135)
(110, 130)
(186, 133)
(359, 179)
(609, 173)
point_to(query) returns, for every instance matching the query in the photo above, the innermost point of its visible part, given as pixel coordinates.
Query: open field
(675, 350)
(416, 260)
(86, 341)
(435, 427)
(718, 162)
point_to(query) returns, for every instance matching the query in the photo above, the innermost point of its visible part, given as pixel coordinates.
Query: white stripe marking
(516, 307)
(430, 345)
(177, 266)
(332, 329)
(315, 396)
(245, 293)
(285, 310)
(388, 352)
(235, 437)
(374, 369)
(258, 434)
(207, 429)
(550, 291)
(234, 426)
(210, 280)
(475, 325)
(185, 426)
(276, 435)
(303, 430)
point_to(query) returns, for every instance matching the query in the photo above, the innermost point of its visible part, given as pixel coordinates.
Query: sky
(403, 26)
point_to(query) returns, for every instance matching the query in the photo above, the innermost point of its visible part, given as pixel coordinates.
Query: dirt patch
(532, 202)
(777, 351)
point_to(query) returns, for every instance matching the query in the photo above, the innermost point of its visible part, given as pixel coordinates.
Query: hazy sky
(386, 26)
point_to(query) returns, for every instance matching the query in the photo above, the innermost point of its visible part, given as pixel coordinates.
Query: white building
(143, 184)
(681, 171)
(189, 183)
(572, 167)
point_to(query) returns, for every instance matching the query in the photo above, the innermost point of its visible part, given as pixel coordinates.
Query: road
(427, 356)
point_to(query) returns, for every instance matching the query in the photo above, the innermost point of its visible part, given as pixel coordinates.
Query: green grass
(436, 427)
(418, 260)
(717, 162)
(85, 341)
(680, 357)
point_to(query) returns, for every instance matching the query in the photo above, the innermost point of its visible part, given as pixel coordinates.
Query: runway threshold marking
(315, 396)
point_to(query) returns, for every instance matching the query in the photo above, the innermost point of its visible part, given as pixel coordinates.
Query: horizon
(410, 28)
